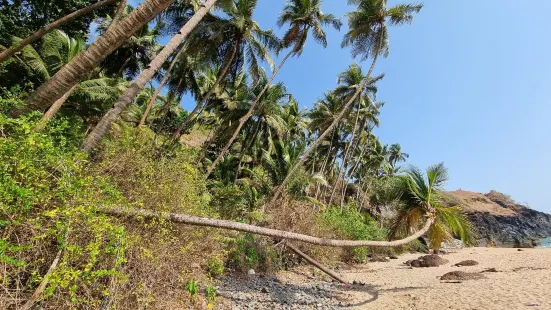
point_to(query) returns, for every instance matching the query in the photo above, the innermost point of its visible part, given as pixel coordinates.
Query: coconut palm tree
(368, 36)
(420, 196)
(40, 33)
(395, 155)
(304, 16)
(103, 127)
(87, 61)
(239, 38)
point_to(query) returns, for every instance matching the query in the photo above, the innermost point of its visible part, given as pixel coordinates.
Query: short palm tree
(421, 196)
(368, 35)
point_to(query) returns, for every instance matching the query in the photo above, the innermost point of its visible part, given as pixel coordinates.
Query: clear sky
(468, 83)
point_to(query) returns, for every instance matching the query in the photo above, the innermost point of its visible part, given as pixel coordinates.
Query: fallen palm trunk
(280, 234)
(312, 261)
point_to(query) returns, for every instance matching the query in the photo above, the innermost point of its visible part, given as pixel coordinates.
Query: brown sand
(522, 278)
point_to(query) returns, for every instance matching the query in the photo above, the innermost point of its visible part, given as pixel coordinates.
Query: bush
(355, 225)
(215, 267)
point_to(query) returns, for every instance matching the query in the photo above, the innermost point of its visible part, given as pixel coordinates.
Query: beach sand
(523, 277)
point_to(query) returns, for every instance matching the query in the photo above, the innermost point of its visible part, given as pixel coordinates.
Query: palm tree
(103, 127)
(87, 61)
(395, 155)
(37, 35)
(304, 16)
(134, 55)
(420, 196)
(238, 37)
(368, 36)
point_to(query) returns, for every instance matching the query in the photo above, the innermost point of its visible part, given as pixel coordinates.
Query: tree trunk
(54, 108)
(118, 13)
(221, 76)
(37, 35)
(158, 90)
(249, 143)
(70, 74)
(346, 107)
(312, 261)
(103, 127)
(246, 117)
(275, 233)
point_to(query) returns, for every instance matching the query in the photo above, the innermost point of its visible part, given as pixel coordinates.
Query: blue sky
(467, 84)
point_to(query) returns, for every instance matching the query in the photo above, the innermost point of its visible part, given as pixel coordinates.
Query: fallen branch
(312, 261)
(280, 234)
(38, 292)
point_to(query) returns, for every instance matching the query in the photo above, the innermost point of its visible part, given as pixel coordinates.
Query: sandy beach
(522, 278)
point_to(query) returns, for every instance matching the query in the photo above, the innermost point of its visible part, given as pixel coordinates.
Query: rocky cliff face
(498, 218)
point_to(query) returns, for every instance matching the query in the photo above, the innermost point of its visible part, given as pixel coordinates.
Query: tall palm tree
(421, 195)
(304, 16)
(368, 36)
(37, 35)
(103, 127)
(396, 155)
(239, 37)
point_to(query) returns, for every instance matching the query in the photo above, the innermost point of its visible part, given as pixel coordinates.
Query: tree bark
(275, 233)
(312, 261)
(37, 35)
(54, 108)
(158, 90)
(103, 127)
(70, 74)
(346, 107)
(221, 76)
(246, 117)
(118, 13)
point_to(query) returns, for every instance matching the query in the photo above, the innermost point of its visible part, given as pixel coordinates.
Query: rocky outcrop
(501, 221)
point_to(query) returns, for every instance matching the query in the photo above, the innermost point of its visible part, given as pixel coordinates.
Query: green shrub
(354, 225)
(215, 267)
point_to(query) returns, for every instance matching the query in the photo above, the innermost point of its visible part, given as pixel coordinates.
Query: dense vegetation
(88, 126)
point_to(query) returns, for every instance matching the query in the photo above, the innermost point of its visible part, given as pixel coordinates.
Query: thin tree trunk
(246, 117)
(70, 74)
(118, 13)
(221, 76)
(249, 143)
(345, 109)
(103, 127)
(275, 233)
(54, 108)
(159, 88)
(37, 35)
(312, 261)
(28, 305)
(345, 156)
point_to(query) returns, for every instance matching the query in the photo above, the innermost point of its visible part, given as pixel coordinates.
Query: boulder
(468, 262)
(427, 261)
(461, 276)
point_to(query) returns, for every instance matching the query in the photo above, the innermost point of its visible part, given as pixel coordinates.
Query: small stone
(264, 290)
(251, 272)
(520, 250)
(393, 257)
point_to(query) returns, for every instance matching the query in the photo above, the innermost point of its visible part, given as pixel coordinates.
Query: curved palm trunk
(158, 90)
(250, 142)
(224, 224)
(54, 108)
(103, 127)
(222, 75)
(345, 109)
(37, 35)
(70, 74)
(246, 117)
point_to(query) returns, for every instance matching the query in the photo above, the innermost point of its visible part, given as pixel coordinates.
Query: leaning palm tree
(37, 35)
(103, 127)
(239, 37)
(85, 62)
(304, 16)
(368, 36)
(420, 196)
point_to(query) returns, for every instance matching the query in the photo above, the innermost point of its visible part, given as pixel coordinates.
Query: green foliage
(192, 287)
(215, 267)
(355, 225)
(210, 293)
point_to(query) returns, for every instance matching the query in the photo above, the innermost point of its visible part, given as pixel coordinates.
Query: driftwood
(275, 233)
(38, 292)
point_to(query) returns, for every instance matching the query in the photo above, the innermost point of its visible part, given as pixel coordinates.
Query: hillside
(499, 219)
